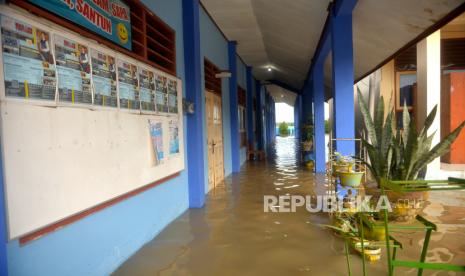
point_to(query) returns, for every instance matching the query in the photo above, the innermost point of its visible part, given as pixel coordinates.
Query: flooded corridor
(232, 235)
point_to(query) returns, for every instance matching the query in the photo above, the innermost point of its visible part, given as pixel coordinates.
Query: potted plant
(344, 168)
(373, 228)
(342, 163)
(400, 154)
(307, 137)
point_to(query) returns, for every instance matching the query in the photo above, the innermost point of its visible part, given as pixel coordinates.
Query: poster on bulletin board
(128, 85)
(104, 79)
(147, 89)
(28, 64)
(73, 68)
(174, 135)
(161, 93)
(156, 135)
(172, 96)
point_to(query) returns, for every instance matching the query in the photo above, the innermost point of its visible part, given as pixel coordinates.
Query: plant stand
(391, 244)
(332, 157)
(427, 226)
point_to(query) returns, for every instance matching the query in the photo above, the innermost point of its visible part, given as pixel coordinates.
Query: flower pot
(351, 179)
(406, 205)
(340, 167)
(376, 233)
(307, 145)
(370, 252)
(310, 164)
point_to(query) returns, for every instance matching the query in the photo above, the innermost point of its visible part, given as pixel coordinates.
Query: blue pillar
(267, 121)
(270, 123)
(195, 131)
(250, 96)
(233, 105)
(259, 115)
(319, 117)
(343, 80)
(273, 120)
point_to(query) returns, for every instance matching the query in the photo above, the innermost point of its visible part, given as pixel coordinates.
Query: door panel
(214, 139)
(210, 128)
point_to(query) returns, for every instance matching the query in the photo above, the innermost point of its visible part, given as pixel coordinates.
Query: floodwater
(232, 235)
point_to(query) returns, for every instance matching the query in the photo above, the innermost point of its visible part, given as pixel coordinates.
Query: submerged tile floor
(232, 235)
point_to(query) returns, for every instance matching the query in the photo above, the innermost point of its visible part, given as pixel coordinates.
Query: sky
(285, 112)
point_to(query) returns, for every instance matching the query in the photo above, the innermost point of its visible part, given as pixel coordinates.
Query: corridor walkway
(232, 235)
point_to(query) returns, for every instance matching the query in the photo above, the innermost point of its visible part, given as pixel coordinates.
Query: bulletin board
(74, 143)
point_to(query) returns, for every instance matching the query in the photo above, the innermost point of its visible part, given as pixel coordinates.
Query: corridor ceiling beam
(285, 86)
(344, 7)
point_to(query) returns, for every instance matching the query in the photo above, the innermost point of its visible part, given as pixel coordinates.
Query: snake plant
(400, 154)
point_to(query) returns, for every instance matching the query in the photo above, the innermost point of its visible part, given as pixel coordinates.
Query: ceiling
(283, 35)
(281, 95)
(455, 28)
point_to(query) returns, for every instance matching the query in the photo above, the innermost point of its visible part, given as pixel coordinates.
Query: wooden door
(214, 139)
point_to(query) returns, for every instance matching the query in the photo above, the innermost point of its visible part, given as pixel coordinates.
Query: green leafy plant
(343, 160)
(283, 129)
(307, 132)
(400, 155)
(327, 127)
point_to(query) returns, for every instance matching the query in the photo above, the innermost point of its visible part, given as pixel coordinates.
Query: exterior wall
(215, 47)
(99, 243)
(453, 113)
(388, 84)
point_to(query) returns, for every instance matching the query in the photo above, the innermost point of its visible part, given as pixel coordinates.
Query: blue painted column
(319, 117)
(343, 81)
(270, 124)
(259, 115)
(273, 120)
(250, 96)
(234, 107)
(306, 105)
(267, 120)
(195, 131)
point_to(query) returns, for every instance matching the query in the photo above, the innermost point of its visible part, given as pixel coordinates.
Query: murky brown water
(232, 235)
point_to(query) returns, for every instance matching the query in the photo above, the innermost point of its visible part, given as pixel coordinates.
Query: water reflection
(232, 235)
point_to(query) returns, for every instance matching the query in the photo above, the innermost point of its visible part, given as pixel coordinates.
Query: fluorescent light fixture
(223, 75)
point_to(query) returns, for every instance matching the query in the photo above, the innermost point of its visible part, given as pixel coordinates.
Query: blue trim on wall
(3, 224)
(343, 82)
(194, 142)
(233, 104)
(250, 96)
